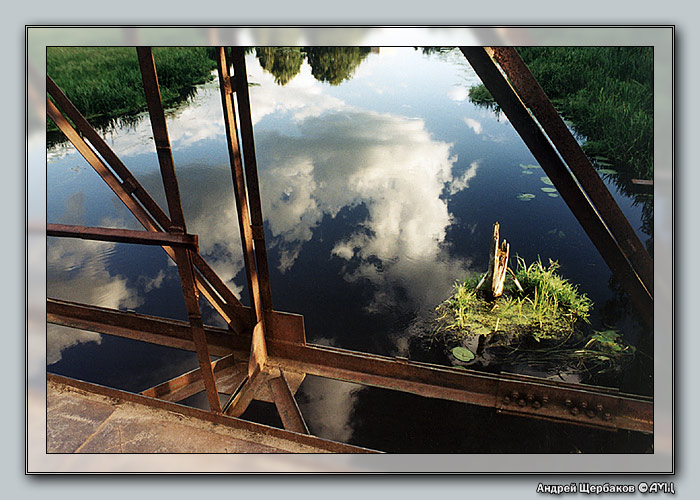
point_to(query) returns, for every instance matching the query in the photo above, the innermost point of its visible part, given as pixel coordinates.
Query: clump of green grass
(555, 304)
(540, 320)
(547, 307)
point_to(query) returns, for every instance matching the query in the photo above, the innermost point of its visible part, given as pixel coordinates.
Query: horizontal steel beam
(123, 235)
(527, 396)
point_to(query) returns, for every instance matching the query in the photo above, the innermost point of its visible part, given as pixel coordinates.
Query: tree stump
(498, 265)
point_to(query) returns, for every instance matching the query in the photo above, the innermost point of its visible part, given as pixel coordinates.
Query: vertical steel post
(183, 257)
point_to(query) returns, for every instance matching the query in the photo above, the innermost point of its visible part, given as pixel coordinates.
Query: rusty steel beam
(217, 293)
(151, 329)
(241, 399)
(123, 235)
(548, 158)
(550, 400)
(287, 407)
(183, 257)
(189, 383)
(160, 136)
(220, 419)
(88, 132)
(250, 223)
(251, 172)
(541, 107)
(239, 187)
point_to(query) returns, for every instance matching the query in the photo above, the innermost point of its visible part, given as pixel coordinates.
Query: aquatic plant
(540, 320)
(525, 196)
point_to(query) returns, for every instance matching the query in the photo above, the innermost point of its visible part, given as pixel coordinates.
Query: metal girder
(190, 383)
(123, 235)
(183, 256)
(287, 407)
(540, 398)
(548, 157)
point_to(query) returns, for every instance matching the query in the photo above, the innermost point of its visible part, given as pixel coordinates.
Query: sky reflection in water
(377, 194)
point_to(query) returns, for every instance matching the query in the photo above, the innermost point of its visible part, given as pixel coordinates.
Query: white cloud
(458, 93)
(462, 182)
(474, 125)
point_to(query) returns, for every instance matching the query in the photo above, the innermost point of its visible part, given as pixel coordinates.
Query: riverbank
(607, 95)
(105, 82)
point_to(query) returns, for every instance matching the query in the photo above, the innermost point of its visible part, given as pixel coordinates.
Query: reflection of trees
(328, 64)
(335, 64)
(284, 63)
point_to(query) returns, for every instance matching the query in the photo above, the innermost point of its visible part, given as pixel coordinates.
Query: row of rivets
(583, 407)
(529, 399)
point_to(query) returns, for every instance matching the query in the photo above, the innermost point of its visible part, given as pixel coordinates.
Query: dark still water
(378, 194)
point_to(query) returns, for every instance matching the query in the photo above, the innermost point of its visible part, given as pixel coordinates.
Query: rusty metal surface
(251, 172)
(183, 257)
(287, 407)
(239, 187)
(241, 399)
(160, 136)
(467, 386)
(566, 185)
(123, 235)
(155, 426)
(189, 383)
(541, 107)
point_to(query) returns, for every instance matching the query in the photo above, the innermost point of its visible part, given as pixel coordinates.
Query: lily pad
(607, 171)
(546, 180)
(549, 190)
(557, 232)
(553, 195)
(526, 172)
(529, 166)
(462, 354)
(525, 196)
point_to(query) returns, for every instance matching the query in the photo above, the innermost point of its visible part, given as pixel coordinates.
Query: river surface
(378, 194)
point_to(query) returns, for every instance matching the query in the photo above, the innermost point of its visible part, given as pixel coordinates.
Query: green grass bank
(607, 93)
(105, 82)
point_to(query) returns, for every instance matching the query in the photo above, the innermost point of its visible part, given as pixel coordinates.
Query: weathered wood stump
(498, 265)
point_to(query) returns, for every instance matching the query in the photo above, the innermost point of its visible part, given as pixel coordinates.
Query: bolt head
(574, 411)
(607, 415)
(536, 405)
(506, 400)
(567, 402)
(521, 402)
